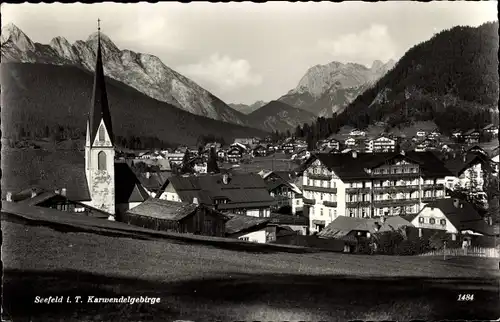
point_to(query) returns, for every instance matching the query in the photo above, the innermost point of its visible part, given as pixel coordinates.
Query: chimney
(225, 178)
(195, 201)
(63, 192)
(33, 193)
(456, 203)
(354, 154)
(420, 232)
(9, 196)
(464, 157)
(148, 175)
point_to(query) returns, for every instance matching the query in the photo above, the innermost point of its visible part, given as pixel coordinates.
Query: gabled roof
(463, 218)
(167, 210)
(39, 198)
(127, 187)
(241, 224)
(342, 226)
(458, 165)
(242, 190)
(155, 180)
(349, 168)
(99, 109)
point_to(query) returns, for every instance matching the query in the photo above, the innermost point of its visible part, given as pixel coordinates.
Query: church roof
(99, 109)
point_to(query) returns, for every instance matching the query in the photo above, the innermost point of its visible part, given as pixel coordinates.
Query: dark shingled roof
(240, 224)
(466, 218)
(458, 165)
(127, 187)
(242, 190)
(99, 110)
(39, 198)
(155, 180)
(163, 209)
(342, 226)
(349, 168)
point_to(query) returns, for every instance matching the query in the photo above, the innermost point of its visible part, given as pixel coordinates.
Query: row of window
(395, 170)
(330, 212)
(432, 221)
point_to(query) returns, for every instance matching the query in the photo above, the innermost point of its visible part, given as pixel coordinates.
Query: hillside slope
(40, 95)
(144, 72)
(451, 79)
(279, 116)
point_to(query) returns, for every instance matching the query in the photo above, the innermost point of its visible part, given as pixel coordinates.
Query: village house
(252, 229)
(301, 154)
(330, 142)
(57, 199)
(296, 223)
(260, 151)
(381, 144)
(368, 185)
(153, 181)
(472, 136)
(421, 134)
(457, 135)
(467, 170)
(286, 194)
(177, 217)
(491, 129)
(175, 158)
(352, 230)
(357, 134)
(235, 154)
(453, 216)
(244, 194)
(350, 143)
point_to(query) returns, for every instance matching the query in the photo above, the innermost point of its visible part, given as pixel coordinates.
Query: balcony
(330, 204)
(358, 204)
(395, 202)
(439, 186)
(319, 176)
(309, 201)
(396, 188)
(357, 190)
(412, 175)
(319, 189)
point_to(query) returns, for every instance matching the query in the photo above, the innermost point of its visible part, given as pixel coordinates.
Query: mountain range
(143, 72)
(327, 89)
(281, 116)
(247, 109)
(41, 98)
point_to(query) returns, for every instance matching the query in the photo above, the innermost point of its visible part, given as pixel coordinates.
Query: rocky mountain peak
(106, 42)
(11, 33)
(377, 64)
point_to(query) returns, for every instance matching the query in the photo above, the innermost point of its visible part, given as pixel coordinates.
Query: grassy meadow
(207, 283)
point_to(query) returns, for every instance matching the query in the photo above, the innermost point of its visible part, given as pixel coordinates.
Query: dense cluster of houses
(359, 186)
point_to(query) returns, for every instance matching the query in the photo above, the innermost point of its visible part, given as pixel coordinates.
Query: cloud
(222, 71)
(364, 47)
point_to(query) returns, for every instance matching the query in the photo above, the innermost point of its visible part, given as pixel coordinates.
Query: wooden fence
(471, 251)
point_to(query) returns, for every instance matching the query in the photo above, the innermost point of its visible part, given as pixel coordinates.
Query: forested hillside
(39, 99)
(451, 79)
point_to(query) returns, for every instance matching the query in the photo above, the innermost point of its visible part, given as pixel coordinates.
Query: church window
(101, 161)
(101, 133)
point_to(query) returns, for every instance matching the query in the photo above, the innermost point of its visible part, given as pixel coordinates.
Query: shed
(177, 217)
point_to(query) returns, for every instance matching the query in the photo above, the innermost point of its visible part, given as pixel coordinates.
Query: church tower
(99, 146)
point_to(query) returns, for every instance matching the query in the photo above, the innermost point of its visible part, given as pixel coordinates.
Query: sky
(244, 52)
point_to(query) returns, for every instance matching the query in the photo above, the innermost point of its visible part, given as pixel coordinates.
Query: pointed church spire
(99, 110)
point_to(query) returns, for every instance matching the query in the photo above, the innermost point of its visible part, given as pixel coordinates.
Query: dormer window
(101, 133)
